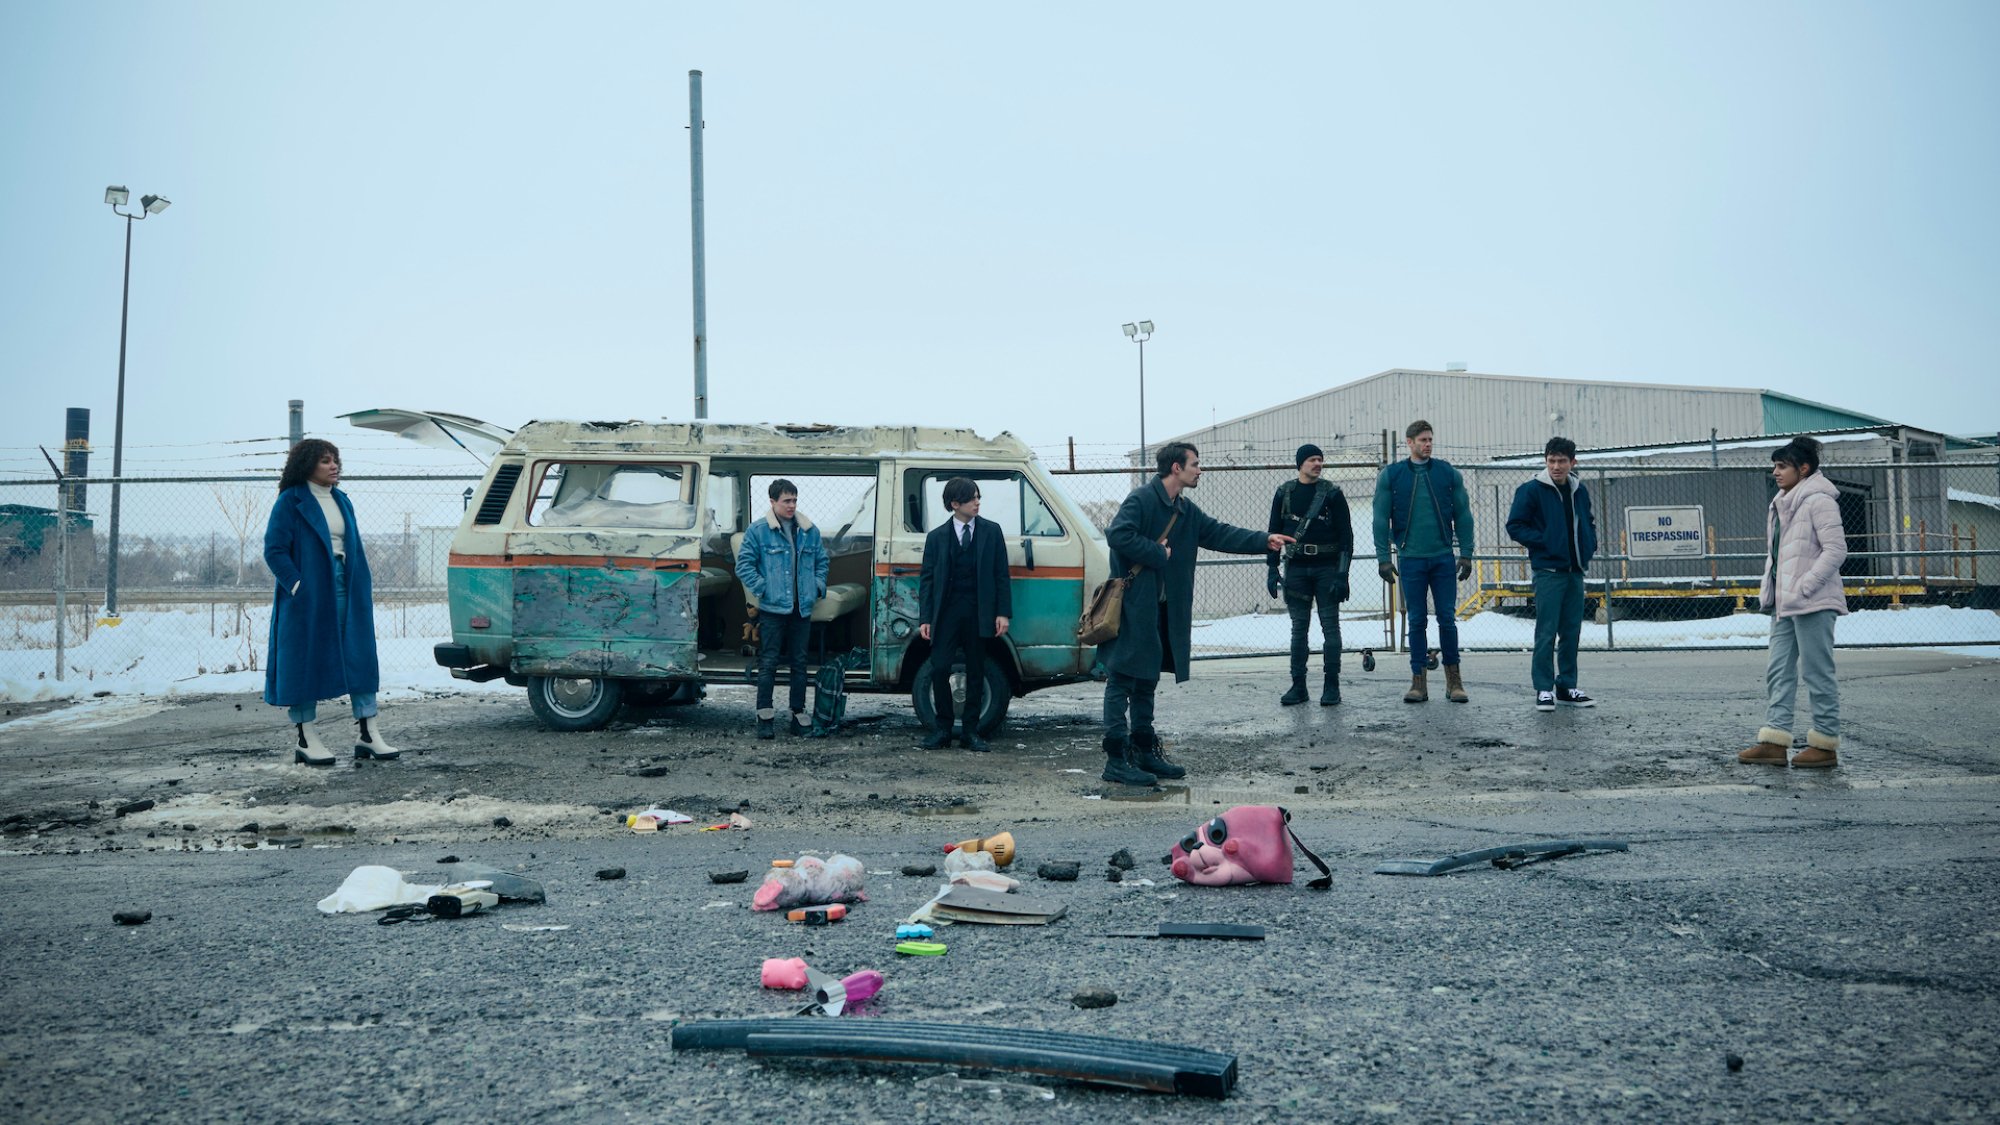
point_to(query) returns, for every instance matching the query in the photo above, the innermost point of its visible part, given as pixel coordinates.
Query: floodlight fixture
(1146, 326)
(116, 196)
(153, 204)
(1131, 330)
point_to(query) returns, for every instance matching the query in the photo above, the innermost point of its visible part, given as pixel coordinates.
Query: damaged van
(596, 561)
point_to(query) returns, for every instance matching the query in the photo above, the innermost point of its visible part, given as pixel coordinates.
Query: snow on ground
(1491, 630)
(165, 652)
(169, 651)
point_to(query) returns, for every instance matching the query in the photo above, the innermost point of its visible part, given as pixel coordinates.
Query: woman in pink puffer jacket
(1802, 592)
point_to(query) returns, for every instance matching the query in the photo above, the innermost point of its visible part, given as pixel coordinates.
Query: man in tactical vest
(1314, 513)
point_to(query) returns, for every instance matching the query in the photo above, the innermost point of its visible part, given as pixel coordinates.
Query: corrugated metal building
(1477, 418)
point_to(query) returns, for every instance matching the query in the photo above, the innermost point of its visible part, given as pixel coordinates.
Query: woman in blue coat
(323, 612)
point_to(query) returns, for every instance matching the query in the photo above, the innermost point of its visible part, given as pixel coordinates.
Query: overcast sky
(943, 213)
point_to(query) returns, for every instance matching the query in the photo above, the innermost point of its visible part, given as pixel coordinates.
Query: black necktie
(965, 535)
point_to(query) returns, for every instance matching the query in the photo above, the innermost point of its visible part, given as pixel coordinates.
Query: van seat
(841, 598)
(714, 580)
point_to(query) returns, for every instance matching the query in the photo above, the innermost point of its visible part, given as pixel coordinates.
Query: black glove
(1271, 580)
(1386, 570)
(1340, 588)
(1464, 569)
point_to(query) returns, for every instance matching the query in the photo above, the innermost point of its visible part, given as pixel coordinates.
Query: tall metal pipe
(297, 432)
(700, 248)
(76, 458)
(118, 434)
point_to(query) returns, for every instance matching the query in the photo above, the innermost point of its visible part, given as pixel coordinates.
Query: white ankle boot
(306, 747)
(369, 743)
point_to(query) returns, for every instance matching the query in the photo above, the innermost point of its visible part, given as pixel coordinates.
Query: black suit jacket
(996, 590)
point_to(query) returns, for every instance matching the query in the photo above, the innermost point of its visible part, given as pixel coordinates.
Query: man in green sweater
(1420, 503)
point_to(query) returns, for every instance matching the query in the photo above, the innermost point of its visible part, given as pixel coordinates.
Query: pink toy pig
(1247, 844)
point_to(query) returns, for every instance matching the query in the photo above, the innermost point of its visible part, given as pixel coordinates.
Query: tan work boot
(1454, 688)
(1772, 746)
(1821, 752)
(1420, 691)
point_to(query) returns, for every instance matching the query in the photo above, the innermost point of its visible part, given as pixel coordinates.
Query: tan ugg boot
(1821, 752)
(1454, 688)
(1772, 746)
(1420, 691)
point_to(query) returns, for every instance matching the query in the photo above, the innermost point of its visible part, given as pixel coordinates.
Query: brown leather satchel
(1101, 614)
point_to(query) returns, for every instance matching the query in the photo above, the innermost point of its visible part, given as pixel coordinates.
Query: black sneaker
(1570, 697)
(1545, 701)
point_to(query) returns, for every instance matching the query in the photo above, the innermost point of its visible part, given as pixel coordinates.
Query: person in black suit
(964, 596)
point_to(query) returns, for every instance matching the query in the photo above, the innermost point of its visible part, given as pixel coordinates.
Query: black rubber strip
(1487, 855)
(1159, 1068)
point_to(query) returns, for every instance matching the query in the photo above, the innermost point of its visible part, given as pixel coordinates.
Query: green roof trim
(1784, 414)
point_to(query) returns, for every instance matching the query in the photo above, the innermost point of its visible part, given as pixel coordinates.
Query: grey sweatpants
(1803, 646)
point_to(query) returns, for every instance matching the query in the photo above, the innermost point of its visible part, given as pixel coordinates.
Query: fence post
(1610, 584)
(1923, 563)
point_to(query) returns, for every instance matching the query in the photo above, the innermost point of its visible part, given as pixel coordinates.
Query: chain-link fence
(1923, 566)
(194, 596)
(1680, 556)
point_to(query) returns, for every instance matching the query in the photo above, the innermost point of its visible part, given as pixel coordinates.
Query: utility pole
(297, 429)
(700, 248)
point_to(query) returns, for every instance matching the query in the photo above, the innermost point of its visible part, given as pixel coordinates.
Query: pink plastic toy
(786, 972)
(811, 881)
(1247, 844)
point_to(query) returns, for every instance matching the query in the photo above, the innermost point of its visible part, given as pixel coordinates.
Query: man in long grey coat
(1156, 535)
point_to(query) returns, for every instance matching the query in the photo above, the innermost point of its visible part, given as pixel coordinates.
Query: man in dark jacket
(1314, 512)
(1420, 502)
(1551, 517)
(1155, 536)
(964, 596)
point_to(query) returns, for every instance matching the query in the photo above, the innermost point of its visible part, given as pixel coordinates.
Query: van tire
(999, 693)
(574, 703)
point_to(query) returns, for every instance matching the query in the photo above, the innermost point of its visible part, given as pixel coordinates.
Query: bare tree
(242, 509)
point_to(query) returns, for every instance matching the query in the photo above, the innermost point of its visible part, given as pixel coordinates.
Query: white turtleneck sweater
(336, 527)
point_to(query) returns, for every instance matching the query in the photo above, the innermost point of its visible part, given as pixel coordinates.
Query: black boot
(969, 738)
(937, 738)
(1298, 693)
(1117, 764)
(1329, 691)
(767, 727)
(1146, 755)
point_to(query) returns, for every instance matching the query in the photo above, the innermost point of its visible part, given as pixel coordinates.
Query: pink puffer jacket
(1811, 546)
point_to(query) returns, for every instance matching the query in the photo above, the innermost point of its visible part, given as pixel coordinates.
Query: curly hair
(303, 459)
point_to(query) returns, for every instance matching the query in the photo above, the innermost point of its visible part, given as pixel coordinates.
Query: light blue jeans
(363, 701)
(1803, 646)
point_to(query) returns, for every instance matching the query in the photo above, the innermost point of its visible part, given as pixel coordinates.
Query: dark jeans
(782, 635)
(1304, 585)
(1435, 579)
(1123, 694)
(956, 632)
(1558, 622)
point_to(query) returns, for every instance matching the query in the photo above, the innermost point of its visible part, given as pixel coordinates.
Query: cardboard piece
(970, 904)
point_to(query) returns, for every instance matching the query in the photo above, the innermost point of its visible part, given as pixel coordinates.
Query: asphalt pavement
(1776, 945)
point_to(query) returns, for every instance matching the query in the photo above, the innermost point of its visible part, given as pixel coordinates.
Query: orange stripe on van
(614, 562)
(908, 570)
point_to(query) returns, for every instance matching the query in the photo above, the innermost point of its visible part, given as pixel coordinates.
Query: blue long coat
(308, 661)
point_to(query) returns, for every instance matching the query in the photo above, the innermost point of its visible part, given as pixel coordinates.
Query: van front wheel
(572, 703)
(993, 708)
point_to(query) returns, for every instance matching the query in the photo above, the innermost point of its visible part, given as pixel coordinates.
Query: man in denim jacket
(783, 565)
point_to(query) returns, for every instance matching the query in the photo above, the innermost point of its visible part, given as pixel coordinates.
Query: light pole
(149, 205)
(1139, 333)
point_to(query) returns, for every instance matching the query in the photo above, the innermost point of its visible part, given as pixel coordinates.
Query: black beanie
(1305, 451)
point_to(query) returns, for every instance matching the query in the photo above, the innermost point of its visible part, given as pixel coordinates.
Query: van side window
(608, 494)
(1005, 497)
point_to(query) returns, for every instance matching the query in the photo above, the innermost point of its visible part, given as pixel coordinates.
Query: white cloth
(374, 888)
(336, 525)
